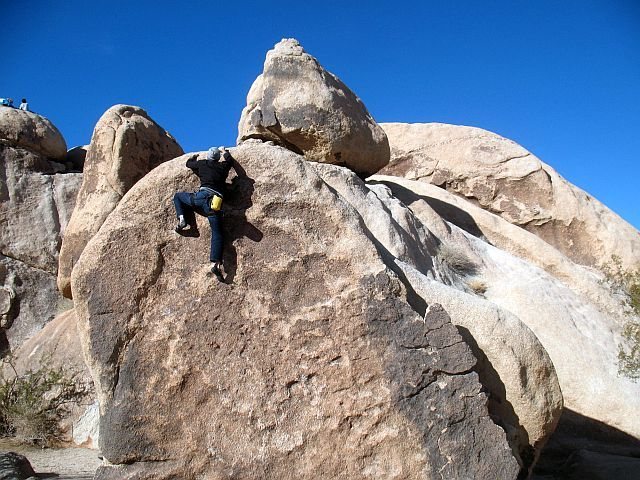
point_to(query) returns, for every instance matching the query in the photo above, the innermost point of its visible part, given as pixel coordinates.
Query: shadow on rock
(500, 409)
(235, 225)
(448, 212)
(584, 448)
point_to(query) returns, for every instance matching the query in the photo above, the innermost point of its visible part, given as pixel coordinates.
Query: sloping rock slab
(506, 179)
(311, 363)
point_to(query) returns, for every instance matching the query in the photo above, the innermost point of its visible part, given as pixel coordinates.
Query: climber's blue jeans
(198, 202)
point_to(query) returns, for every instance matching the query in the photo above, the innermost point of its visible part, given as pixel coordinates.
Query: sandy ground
(58, 463)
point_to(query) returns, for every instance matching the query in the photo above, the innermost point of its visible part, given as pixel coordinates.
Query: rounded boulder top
(32, 132)
(298, 104)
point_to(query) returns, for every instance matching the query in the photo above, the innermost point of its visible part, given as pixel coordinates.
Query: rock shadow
(448, 212)
(5, 348)
(500, 409)
(235, 225)
(577, 438)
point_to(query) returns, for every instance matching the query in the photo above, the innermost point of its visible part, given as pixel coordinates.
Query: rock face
(567, 306)
(426, 198)
(314, 361)
(35, 206)
(513, 365)
(298, 104)
(126, 144)
(33, 132)
(505, 179)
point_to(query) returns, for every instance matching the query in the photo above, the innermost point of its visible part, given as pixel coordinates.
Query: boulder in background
(298, 104)
(126, 144)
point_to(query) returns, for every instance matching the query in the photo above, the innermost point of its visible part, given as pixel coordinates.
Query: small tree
(628, 283)
(629, 365)
(32, 404)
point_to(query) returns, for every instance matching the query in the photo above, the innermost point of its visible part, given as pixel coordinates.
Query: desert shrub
(629, 358)
(627, 282)
(32, 404)
(456, 259)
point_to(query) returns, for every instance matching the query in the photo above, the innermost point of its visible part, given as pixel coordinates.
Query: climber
(24, 105)
(207, 200)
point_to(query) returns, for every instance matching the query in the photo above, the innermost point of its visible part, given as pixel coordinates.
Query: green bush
(627, 282)
(32, 404)
(629, 365)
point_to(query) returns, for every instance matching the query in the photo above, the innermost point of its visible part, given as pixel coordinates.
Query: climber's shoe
(181, 225)
(217, 272)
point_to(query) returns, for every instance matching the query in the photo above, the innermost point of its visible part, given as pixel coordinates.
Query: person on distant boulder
(24, 105)
(207, 200)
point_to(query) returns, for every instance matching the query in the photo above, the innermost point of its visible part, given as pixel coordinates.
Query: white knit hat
(213, 154)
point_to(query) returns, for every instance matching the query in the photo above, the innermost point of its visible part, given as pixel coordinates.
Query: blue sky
(562, 78)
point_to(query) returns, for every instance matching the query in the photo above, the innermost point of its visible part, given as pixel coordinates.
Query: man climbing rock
(207, 200)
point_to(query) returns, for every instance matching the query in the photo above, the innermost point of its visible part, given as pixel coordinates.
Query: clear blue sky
(562, 78)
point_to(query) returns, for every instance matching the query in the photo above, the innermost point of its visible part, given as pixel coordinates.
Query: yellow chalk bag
(216, 203)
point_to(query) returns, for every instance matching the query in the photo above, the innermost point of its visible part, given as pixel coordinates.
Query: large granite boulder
(126, 144)
(35, 205)
(33, 132)
(298, 104)
(504, 178)
(313, 360)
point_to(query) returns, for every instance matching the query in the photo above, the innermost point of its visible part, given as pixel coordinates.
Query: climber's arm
(192, 163)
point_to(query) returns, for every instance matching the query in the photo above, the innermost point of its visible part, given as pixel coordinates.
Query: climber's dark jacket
(212, 173)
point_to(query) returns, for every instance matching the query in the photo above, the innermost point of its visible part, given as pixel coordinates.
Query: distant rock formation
(298, 104)
(32, 132)
(76, 158)
(35, 204)
(126, 144)
(505, 179)
(316, 361)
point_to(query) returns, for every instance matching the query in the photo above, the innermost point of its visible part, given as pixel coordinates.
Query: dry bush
(478, 285)
(627, 283)
(32, 404)
(456, 259)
